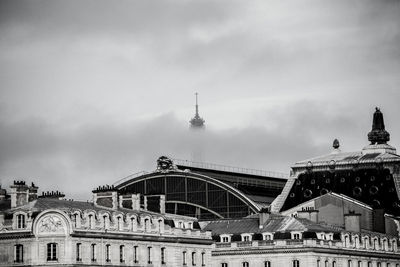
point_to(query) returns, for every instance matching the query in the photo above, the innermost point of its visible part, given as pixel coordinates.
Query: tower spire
(197, 121)
(378, 134)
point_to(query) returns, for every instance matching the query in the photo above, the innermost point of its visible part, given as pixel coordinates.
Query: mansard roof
(276, 223)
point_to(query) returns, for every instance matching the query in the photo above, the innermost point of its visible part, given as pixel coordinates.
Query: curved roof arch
(230, 190)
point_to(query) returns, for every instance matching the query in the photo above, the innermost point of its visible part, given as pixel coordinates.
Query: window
(90, 219)
(162, 255)
(149, 255)
(20, 221)
(349, 263)
(359, 264)
(333, 263)
(379, 264)
(225, 239)
(93, 252)
(146, 224)
(296, 236)
(326, 263)
(388, 264)
(108, 259)
(135, 254)
(369, 264)
(318, 263)
(268, 237)
(224, 264)
(267, 264)
(51, 251)
(245, 264)
(203, 260)
(296, 263)
(193, 258)
(184, 258)
(121, 253)
(19, 253)
(119, 224)
(106, 222)
(78, 252)
(75, 220)
(246, 238)
(133, 224)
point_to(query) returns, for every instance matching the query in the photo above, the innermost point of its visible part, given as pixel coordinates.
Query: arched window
(369, 264)
(162, 255)
(20, 221)
(349, 263)
(93, 252)
(245, 264)
(78, 252)
(108, 256)
(326, 263)
(133, 224)
(379, 264)
(267, 264)
(296, 263)
(52, 252)
(106, 221)
(333, 263)
(203, 260)
(359, 264)
(318, 263)
(90, 221)
(19, 253)
(224, 264)
(146, 224)
(122, 253)
(119, 223)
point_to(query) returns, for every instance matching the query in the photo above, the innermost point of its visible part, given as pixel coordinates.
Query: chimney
(352, 222)
(105, 196)
(19, 194)
(308, 213)
(53, 194)
(3, 193)
(263, 216)
(33, 190)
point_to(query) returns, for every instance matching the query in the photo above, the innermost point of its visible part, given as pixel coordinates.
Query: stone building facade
(51, 231)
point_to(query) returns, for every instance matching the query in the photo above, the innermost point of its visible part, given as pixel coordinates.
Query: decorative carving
(165, 164)
(51, 224)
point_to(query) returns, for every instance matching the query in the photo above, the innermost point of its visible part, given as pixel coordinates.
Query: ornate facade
(51, 231)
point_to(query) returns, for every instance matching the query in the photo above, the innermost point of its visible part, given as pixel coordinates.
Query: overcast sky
(92, 91)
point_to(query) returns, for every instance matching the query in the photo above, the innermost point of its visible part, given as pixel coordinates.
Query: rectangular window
(93, 252)
(296, 263)
(203, 260)
(78, 252)
(224, 264)
(359, 264)
(184, 258)
(296, 236)
(326, 263)
(90, 219)
(19, 253)
(108, 259)
(162, 255)
(369, 264)
(267, 264)
(245, 264)
(349, 263)
(51, 251)
(149, 255)
(193, 258)
(135, 254)
(121, 253)
(20, 221)
(318, 263)
(246, 238)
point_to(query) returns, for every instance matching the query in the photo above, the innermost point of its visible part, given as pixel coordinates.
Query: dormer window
(20, 221)
(268, 236)
(225, 238)
(296, 235)
(246, 237)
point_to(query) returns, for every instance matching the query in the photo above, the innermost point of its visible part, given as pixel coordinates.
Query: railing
(227, 168)
(129, 177)
(223, 245)
(244, 244)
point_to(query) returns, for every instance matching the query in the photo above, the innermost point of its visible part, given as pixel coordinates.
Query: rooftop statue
(378, 134)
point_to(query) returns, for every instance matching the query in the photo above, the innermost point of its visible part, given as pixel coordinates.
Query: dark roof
(276, 223)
